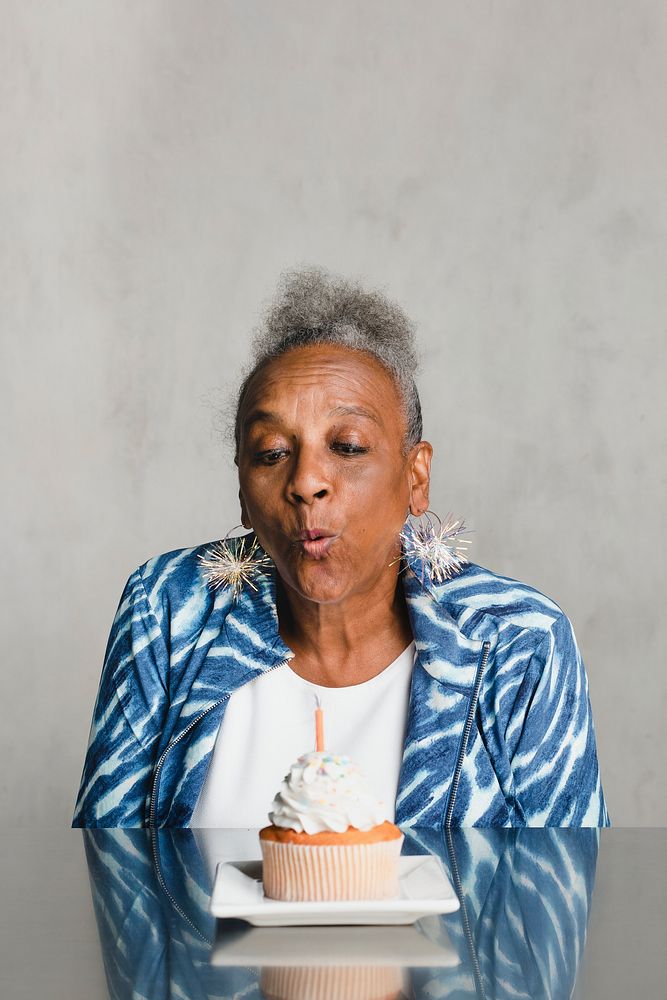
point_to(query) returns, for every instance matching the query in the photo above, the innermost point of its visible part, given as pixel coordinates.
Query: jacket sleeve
(554, 763)
(127, 718)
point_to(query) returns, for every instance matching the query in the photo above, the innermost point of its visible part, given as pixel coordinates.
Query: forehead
(326, 375)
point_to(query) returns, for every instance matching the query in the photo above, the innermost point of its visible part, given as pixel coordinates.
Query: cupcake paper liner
(326, 983)
(298, 872)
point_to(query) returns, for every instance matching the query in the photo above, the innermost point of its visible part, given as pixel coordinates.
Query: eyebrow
(259, 416)
(267, 416)
(353, 411)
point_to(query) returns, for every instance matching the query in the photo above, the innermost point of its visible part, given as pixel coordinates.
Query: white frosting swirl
(325, 791)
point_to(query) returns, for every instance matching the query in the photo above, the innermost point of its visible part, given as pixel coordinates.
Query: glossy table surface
(125, 914)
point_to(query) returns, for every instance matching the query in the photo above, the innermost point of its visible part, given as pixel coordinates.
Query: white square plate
(421, 945)
(423, 884)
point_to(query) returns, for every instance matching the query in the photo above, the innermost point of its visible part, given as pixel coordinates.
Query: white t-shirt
(270, 722)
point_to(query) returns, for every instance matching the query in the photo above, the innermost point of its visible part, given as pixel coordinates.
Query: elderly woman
(461, 693)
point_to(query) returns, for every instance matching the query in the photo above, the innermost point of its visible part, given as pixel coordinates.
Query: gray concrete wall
(499, 168)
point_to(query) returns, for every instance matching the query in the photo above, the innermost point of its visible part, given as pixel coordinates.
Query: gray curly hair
(312, 306)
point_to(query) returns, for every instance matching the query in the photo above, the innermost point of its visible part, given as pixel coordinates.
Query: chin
(320, 583)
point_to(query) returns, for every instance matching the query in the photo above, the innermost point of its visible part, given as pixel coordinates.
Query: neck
(349, 642)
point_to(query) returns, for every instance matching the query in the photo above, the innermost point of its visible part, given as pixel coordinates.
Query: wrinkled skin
(322, 447)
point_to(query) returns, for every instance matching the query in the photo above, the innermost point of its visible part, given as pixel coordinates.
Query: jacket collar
(250, 637)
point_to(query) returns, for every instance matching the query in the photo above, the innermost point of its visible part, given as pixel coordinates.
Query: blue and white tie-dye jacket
(499, 728)
(519, 934)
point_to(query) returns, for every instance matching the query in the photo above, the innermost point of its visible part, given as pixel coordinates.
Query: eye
(270, 457)
(348, 448)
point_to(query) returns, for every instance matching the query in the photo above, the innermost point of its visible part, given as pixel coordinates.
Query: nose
(309, 480)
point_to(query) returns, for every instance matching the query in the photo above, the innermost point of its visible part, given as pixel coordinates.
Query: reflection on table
(520, 932)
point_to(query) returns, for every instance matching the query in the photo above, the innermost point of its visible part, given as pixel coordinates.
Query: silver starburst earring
(234, 565)
(438, 545)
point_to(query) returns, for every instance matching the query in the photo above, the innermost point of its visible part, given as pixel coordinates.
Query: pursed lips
(316, 542)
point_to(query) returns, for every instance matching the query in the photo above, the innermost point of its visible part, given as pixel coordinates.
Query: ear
(420, 477)
(245, 517)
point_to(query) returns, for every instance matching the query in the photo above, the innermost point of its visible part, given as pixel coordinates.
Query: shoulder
(176, 570)
(532, 639)
(499, 596)
(177, 592)
(514, 616)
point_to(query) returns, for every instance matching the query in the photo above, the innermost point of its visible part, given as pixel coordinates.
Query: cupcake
(322, 982)
(329, 837)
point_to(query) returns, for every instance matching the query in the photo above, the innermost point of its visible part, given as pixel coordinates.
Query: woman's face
(324, 481)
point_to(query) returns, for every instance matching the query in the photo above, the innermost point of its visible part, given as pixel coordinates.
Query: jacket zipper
(190, 726)
(163, 886)
(465, 920)
(179, 910)
(163, 756)
(458, 885)
(472, 708)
